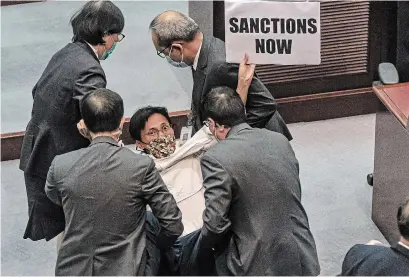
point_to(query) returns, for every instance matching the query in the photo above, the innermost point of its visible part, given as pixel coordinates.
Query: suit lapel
(87, 48)
(199, 77)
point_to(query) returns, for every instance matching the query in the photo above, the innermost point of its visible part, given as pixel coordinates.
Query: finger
(246, 58)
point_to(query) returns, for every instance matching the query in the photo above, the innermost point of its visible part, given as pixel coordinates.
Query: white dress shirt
(197, 57)
(404, 245)
(93, 49)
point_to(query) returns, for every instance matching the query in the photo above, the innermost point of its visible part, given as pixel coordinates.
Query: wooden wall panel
(344, 46)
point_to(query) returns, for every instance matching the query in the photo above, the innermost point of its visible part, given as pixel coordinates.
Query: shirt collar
(197, 57)
(104, 139)
(237, 128)
(93, 49)
(404, 245)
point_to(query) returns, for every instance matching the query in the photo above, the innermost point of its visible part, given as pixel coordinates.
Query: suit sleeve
(50, 186)
(162, 203)
(218, 196)
(89, 80)
(352, 260)
(260, 106)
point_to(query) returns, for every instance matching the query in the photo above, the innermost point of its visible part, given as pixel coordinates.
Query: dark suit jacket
(253, 203)
(72, 72)
(373, 260)
(104, 190)
(212, 70)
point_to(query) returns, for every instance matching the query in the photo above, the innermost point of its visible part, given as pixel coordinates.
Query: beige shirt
(182, 175)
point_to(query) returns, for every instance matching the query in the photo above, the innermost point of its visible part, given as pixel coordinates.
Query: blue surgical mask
(108, 53)
(180, 64)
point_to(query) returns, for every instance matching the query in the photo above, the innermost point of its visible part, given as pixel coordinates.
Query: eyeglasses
(165, 129)
(160, 53)
(120, 37)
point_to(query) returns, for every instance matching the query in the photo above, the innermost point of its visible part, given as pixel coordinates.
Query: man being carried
(179, 165)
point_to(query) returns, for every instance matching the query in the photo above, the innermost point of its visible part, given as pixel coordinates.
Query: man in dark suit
(254, 219)
(104, 190)
(178, 38)
(71, 73)
(380, 260)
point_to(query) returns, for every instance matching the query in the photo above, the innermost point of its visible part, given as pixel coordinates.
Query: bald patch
(170, 16)
(98, 102)
(170, 26)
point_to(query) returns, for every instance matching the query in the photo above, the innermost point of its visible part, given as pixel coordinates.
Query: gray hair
(170, 26)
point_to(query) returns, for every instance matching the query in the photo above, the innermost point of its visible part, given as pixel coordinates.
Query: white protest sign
(285, 33)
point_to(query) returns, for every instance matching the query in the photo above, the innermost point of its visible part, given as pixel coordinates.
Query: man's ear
(82, 129)
(140, 145)
(81, 124)
(121, 125)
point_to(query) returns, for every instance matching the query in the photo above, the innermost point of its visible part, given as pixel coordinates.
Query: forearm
(243, 92)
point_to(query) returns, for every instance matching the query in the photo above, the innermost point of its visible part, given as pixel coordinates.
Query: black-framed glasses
(160, 53)
(120, 37)
(164, 129)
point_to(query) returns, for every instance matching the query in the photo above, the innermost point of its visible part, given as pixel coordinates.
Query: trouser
(188, 258)
(46, 220)
(159, 260)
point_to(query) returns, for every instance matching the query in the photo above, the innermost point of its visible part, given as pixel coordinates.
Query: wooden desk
(391, 164)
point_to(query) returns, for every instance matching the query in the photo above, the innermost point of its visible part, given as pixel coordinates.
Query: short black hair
(102, 110)
(224, 105)
(403, 219)
(141, 116)
(96, 19)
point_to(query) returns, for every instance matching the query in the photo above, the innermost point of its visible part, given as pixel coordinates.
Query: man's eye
(151, 133)
(166, 128)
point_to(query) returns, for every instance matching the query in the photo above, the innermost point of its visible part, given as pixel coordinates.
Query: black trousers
(188, 257)
(160, 258)
(46, 220)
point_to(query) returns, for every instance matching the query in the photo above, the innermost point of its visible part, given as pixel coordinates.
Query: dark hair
(141, 116)
(96, 19)
(102, 110)
(224, 106)
(403, 219)
(170, 26)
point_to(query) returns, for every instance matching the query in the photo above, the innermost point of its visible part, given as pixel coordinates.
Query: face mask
(161, 147)
(214, 134)
(109, 52)
(180, 64)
